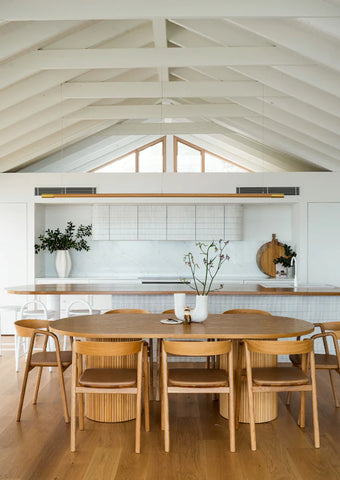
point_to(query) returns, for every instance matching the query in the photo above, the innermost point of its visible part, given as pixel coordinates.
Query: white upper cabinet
(181, 222)
(151, 222)
(233, 222)
(209, 222)
(100, 222)
(123, 222)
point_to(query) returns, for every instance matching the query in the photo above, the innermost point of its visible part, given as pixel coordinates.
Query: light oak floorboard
(38, 448)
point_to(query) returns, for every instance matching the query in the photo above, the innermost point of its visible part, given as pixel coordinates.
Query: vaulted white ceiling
(82, 81)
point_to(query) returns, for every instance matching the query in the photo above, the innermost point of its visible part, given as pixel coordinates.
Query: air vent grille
(284, 190)
(63, 190)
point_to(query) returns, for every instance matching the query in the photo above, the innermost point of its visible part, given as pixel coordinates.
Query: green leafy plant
(287, 259)
(53, 240)
(213, 259)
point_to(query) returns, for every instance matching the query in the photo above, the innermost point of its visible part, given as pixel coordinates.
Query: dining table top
(149, 325)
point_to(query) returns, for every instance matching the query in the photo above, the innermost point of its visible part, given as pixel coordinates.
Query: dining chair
(74, 312)
(149, 340)
(109, 380)
(196, 380)
(240, 367)
(282, 379)
(33, 328)
(324, 361)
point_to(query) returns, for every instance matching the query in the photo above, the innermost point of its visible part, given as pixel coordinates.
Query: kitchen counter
(167, 289)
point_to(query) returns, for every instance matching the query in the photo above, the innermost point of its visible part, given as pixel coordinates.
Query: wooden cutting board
(266, 255)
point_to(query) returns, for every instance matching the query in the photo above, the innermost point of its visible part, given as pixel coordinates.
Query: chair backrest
(331, 326)
(128, 310)
(197, 349)
(171, 310)
(80, 301)
(25, 328)
(32, 302)
(273, 347)
(247, 310)
(108, 349)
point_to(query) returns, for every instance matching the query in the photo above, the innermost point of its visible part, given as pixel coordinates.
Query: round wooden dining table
(117, 408)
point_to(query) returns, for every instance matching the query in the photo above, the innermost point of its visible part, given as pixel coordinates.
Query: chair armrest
(323, 335)
(47, 334)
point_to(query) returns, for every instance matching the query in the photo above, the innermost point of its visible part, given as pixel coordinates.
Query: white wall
(315, 188)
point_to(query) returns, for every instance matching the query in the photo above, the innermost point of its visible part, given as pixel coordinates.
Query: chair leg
(315, 411)
(146, 394)
(165, 408)
(81, 410)
(159, 386)
(231, 408)
(23, 390)
(73, 420)
(288, 398)
(238, 385)
(63, 395)
(37, 385)
(17, 351)
(138, 417)
(251, 415)
(331, 377)
(302, 416)
(151, 376)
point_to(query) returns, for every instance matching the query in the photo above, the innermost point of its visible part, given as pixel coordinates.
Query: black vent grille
(63, 190)
(284, 190)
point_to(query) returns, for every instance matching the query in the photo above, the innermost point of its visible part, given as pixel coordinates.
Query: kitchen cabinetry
(167, 222)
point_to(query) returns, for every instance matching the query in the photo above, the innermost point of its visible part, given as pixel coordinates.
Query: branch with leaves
(213, 259)
(53, 240)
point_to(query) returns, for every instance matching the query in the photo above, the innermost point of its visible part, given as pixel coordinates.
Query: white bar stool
(70, 312)
(7, 310)
(41, 313)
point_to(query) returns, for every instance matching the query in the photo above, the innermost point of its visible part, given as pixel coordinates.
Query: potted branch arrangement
(212, 259)
(61, 242)
(284, 263)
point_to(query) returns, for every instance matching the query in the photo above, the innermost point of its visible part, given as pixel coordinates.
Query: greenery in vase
(53, 240)
(212, 260)
(286, 260)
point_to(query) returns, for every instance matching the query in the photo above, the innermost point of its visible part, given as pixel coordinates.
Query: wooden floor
(38, 447)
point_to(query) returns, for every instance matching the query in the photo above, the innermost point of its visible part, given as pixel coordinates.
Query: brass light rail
(162, 195)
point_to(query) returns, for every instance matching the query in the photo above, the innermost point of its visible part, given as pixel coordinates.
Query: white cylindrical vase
(180, 304)
(63, 263)
(200, 312)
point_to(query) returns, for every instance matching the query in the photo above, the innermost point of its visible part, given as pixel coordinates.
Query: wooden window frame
(203, 151)
(136, 153)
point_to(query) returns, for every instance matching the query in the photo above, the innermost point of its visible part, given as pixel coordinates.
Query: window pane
(188, 159)
(215, 164)
(151, 158)
(125, 164)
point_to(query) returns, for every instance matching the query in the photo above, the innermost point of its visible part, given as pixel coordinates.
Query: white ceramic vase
(63, 263)
(198, 314)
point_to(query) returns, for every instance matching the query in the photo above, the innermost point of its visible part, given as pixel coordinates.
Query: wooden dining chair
(109, 380)
(149, 340)
(196, 380)
(33, 328)
(282, 379)
(324, 361)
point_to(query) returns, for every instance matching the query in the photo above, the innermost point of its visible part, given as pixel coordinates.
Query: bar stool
(38, 313)
(71, 312)
(7, 310)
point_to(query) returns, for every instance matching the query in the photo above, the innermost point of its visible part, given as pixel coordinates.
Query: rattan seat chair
(109, 380)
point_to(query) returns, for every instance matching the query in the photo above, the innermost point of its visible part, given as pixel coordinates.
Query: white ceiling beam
(174, 128)
(151, 58)
(293, 36)
(304, 126)
(160, 41)
(103, 9)
(21, 37)
(159, 111)
(93, 90)
(293, 87)
(284, 143)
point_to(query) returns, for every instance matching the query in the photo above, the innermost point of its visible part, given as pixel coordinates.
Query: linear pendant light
(162, 195)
